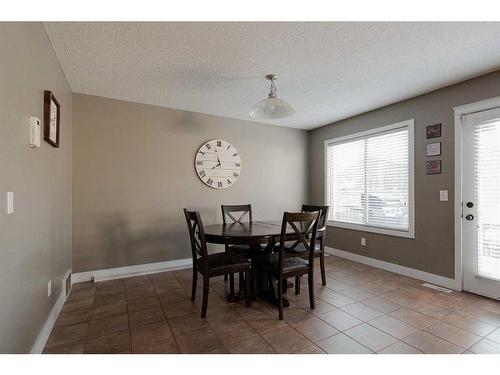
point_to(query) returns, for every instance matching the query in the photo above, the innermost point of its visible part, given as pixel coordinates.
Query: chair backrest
(197, 237)
(236, 213)
(305, 226)
(323, 217)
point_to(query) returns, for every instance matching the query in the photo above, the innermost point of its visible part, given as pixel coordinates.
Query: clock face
(217, 164)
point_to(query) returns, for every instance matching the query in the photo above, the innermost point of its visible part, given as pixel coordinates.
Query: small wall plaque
(433, 167)
(434, 149)
(433, 131)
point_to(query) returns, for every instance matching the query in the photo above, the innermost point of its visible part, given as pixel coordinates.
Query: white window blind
(368, 179)
(487, 196)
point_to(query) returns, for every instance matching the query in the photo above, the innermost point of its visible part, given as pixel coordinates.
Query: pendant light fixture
(271, 107)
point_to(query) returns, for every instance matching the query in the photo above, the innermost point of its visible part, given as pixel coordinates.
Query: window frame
(410, 125)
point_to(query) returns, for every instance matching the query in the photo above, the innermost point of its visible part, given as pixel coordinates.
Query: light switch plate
(10, 202)
(443, 195)
(363, 241)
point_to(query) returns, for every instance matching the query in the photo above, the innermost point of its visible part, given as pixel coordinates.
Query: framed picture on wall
(433, 167)
(433, 149)
(433, 131)
(52, 118)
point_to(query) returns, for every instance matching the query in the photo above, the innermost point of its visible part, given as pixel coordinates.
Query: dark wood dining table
(253, 234)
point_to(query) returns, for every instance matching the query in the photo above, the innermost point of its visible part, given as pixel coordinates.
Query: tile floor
(361, 310)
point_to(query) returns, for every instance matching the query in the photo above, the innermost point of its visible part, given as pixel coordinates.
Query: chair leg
(310, 282)
(195, 279)
(205, 297)
(231, 284)
(280, 297)
(322, 266)
(248, 291)
(297, 284)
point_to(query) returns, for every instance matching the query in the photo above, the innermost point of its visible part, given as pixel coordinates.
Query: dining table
(255, 234)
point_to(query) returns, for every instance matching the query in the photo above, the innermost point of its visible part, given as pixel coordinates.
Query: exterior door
(481, 202)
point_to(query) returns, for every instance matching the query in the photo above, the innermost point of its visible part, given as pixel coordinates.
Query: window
(369, 180)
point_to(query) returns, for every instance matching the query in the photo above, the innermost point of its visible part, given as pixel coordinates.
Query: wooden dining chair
(281, 266)
(234, 214)
(319, 251)
(211, 265)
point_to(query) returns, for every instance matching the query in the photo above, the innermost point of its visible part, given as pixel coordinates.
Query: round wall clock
(217, 164)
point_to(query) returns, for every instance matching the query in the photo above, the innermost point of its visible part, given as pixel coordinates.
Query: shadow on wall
(116, 241)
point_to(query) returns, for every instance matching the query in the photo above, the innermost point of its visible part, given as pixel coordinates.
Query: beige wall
(432, 250)
(35, 241)
(134, 172)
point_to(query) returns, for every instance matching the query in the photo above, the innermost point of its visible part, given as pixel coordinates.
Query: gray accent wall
(134, 173)
(35, 241)
(432, 250)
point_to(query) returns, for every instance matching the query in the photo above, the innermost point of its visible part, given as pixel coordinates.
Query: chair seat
(270, 262)
(299, 250)
(221, 263)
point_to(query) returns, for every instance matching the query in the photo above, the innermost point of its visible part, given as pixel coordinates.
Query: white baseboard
(129, 271)
(44, 334)
(402, 270)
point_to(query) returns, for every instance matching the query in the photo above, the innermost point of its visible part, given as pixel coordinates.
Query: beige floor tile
(340, 320)
(371, 337)
(381, 304)
(361, 311)
(494, 336)
(203, 340)
(67, 334)
(430, 344)
(469, 324)
(356, 294)
(453, 334)
(400, 348)
(312, 349)
(107, 326)
(255, 345)
(335, 298)
(413, 317)
(485, 346)
(233, 330)
(314, 329)
(109, 344)
(342, 344)
(286, 340)
(264, 323)
(393, 326)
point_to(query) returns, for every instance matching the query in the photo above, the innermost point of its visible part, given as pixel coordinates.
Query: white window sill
(366, 228)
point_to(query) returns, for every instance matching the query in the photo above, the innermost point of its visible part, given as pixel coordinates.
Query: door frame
(458, 112)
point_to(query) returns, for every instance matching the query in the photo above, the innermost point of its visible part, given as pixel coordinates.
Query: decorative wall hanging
(433, 167)
(433, 149)
(433, 131)
(52, 118)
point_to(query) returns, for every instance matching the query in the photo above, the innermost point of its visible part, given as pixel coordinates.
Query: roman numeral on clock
(219, 184)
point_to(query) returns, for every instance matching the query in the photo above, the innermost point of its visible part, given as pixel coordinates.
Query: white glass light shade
(271, 108)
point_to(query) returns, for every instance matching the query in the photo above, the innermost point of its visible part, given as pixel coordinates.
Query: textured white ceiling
(328, 71)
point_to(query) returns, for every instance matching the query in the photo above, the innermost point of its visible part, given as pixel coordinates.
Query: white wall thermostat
(35, 132)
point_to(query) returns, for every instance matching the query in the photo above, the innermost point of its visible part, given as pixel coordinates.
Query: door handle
(469, 217)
